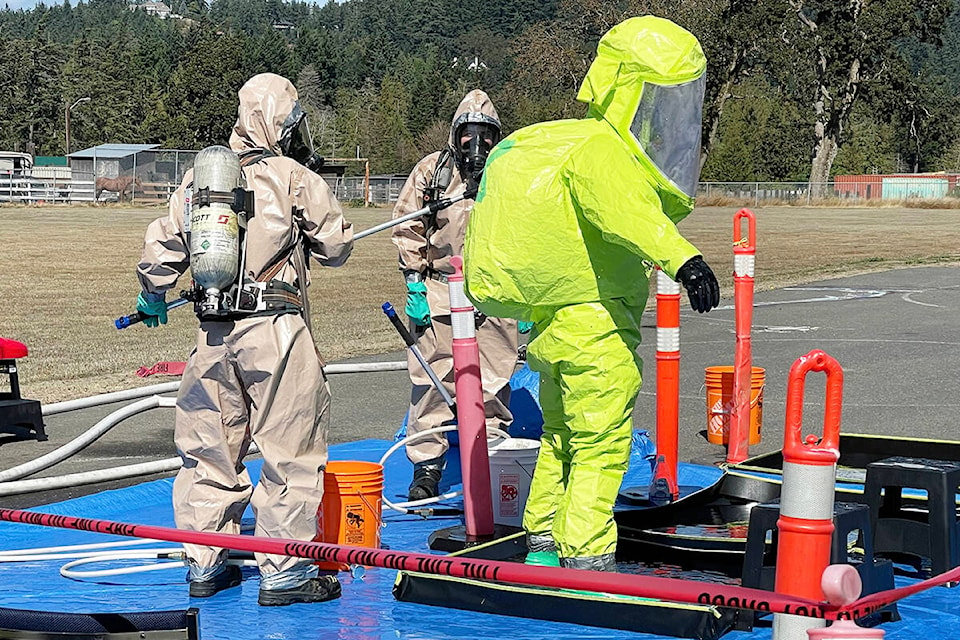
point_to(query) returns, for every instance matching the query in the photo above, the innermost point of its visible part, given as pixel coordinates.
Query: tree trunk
(824, 153)
(712, 121)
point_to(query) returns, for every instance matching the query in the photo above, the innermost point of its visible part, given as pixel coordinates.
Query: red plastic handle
(824, 450)
(750, 244)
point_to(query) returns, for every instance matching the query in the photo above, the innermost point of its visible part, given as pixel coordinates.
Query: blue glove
(154, 307)
(417, 307)
(524, 327)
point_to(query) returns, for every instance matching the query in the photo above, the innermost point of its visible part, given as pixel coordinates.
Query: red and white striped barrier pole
(626, 584)
(841, 585)
(671, 589)
(744, 251)
(471, 417)
(668, 390)
(806, 500)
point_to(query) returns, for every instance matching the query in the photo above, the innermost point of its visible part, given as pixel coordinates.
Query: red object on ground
(471, 416)
(744, 251)
(668, 382)
(11, 349)
(162, 368)
(809, 477)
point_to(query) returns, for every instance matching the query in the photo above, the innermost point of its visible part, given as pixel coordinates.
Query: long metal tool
(437, 205)
(391, 313)
(433, 207)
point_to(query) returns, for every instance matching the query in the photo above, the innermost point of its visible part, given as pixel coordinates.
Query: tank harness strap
(266, 296)
(253, 156)
(439, 182)
(433, 274)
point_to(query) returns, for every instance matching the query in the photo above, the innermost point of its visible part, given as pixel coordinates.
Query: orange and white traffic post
(744, 252)
(665, 487)
(805, 524)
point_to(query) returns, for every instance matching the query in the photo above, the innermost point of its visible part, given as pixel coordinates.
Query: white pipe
(130, 553)
(402, 506)
(89, 477)
(177, 555)
(67, 572)
(169, 387)
(364, 367)
(81, 441)
(75, 547)
(108, 398)
(99, 475)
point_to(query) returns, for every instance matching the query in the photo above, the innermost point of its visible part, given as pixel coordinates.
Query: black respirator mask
(473, 142)
(296, 141)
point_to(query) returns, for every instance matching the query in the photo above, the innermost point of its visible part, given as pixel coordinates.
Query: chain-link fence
(380, 190)
(152, 175)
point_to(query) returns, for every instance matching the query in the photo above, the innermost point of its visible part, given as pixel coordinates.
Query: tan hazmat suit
(426, 245)
(258, 377)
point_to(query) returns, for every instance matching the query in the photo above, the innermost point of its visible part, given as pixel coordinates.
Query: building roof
(112, 151)
(50, 161)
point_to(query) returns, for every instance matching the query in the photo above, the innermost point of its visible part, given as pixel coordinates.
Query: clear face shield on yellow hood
(667, 127)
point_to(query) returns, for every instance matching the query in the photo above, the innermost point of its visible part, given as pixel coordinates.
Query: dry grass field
(68, 272)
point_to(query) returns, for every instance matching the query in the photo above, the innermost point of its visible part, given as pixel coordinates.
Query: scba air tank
(214, 225)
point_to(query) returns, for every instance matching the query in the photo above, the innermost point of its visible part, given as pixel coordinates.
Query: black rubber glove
(697, 278)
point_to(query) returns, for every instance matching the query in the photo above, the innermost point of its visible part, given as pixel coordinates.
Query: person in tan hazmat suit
(255, 376)
(426, 245)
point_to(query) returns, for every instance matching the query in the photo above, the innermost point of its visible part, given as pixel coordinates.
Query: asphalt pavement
(895, 333)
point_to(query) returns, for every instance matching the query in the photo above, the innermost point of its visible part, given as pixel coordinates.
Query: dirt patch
(68, 272)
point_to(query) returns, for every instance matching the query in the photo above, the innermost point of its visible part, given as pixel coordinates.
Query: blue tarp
(367, 610)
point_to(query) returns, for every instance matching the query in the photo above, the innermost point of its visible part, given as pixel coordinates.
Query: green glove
(524, 327)
(154, 307)
(417, 307)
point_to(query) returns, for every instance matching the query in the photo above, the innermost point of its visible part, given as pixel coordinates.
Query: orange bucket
(350, 511)
(719, 384)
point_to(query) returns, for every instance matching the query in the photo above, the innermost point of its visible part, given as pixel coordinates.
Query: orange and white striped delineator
(841, 585)
(471, 417)
(668, 389)
(744, 251)
(805, 524)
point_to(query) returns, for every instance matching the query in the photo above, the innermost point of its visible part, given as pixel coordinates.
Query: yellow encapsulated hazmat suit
(256, 377)
(570, 218)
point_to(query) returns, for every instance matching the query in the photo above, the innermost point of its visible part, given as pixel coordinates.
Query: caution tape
(670, 589)
(876, 601)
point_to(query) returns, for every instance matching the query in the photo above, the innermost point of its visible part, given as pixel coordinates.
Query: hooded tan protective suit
(426, 246)
(255, 378)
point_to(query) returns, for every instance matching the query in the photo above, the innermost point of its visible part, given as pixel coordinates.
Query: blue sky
(20, 4)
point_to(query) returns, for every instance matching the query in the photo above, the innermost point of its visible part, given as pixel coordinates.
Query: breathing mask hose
(391, 313)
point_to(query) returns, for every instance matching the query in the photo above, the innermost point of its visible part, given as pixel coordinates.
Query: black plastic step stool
(903, 526)
(17, 413)
(759, 561)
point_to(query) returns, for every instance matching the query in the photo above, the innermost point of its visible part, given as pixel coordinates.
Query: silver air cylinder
(214, 226)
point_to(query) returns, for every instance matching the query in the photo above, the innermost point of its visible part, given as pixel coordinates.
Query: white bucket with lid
(511, 469)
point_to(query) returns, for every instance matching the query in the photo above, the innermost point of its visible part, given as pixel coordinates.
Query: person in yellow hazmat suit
(570, 218)
(255, 373)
